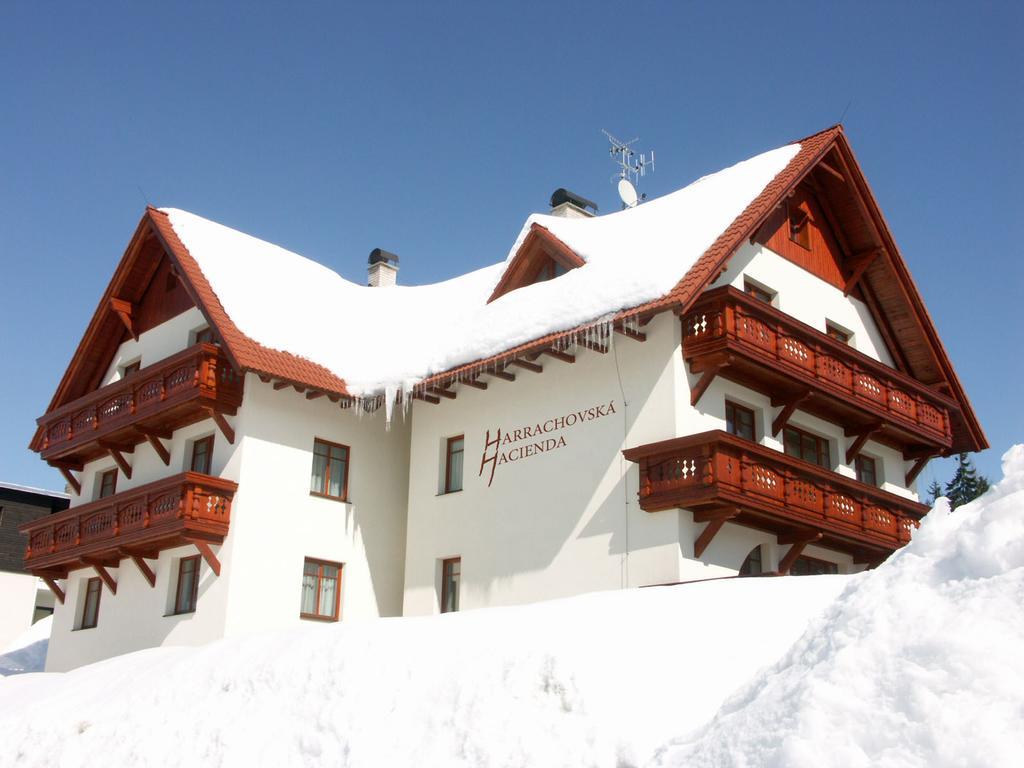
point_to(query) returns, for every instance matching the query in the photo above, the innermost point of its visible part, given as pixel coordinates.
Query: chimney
(383, 269)
(569, 205)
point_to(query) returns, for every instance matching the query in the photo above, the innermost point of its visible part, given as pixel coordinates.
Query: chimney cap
(563, 195)
(378, 255)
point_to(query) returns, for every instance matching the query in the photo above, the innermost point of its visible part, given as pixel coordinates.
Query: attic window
(799, 226)
(549, 270)
(759, 292)
(835, 332)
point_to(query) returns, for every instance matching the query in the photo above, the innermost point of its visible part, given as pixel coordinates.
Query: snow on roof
(31, 489)
(380, 339)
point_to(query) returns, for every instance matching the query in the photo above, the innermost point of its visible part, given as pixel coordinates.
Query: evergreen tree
(966, 484)
(934, 491)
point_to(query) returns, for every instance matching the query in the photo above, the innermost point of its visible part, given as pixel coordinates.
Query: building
(738, 377)
(24, 598)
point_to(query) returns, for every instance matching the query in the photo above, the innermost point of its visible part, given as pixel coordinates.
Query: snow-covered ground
(916, 663)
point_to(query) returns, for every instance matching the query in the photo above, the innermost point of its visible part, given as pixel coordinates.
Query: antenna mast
(631, 166)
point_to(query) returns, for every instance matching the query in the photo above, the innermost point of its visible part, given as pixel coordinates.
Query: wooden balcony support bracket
(528, 366)
(71, 480)
(148, 573)
(862, 438)
(55, 588)
(798, 542)
(788, 408)
(207, 552)
(117, 453)
(222, 423)
(154, 437)
(441, 392)
(916, 470)
(558, 354)
(714, 525)
(124, 310)
(475, 383)
(711, 370)
(858, 266)
(101, 570)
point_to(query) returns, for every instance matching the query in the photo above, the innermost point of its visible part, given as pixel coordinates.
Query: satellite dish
(628, 193)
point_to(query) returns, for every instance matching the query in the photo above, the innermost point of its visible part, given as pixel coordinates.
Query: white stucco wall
(560, 522)
(157, 343)
(17, 604)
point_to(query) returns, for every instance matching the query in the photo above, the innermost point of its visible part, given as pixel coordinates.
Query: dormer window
(549, 270)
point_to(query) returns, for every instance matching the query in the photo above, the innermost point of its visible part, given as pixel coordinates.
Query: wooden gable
(542, 256)
(799, 232)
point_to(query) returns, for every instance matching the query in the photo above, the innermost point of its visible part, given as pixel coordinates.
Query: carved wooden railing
(719, 467)
(201, 372)
(730, 316)
(189, 502)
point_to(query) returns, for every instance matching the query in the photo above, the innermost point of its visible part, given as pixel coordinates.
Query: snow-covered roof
(385, 339)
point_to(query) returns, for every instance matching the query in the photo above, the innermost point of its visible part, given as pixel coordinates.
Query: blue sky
(434, 129)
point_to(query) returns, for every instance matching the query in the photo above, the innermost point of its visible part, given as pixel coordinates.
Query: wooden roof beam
(565, 357)
(831, 171)
(859, 264)
(426, 398)
(630, 334)
(124, 310)
(475, 383)
(528, 366)
(441, 392)
(594, 346)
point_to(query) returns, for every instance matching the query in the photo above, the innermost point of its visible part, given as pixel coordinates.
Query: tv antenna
(632, 168)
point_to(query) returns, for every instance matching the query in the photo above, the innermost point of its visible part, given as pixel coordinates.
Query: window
(91, 604)
(739, 421)
(759, 293)
(187, 591)
(131, 369)
(812, 566)
(752, 564)
(202, 455)
(330, 470)
(837, 333)
(204, 336)
(865, 467)
(451, 574)
(549, 270)
(321, 582)
(107, 484)
(799, 226)
(454, 449)
(806, 446)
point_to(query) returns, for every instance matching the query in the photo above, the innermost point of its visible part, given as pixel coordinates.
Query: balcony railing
(728, 322)
(155, 516)
(771, 490)
(162, 397)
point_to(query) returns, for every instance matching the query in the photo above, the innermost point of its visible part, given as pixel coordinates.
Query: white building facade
(759, 400)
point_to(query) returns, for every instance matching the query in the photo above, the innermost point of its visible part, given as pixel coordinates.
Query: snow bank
(920, 663)
(598, 680)
(632, 257)
(27, 652)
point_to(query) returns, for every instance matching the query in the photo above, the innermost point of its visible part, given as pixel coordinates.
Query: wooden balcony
(185, 508)
(745, 340)
(194, 384)
(723, 477)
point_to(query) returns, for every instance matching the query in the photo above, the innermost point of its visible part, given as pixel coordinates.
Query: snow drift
(917, 663)
(27, 652)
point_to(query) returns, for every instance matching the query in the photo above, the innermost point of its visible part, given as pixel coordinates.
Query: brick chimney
(383, 270)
